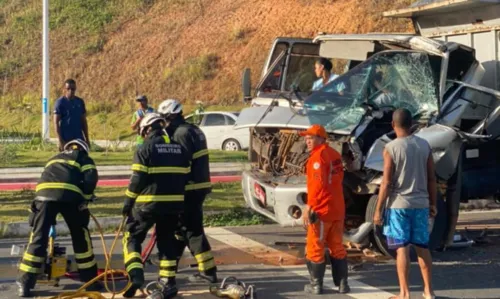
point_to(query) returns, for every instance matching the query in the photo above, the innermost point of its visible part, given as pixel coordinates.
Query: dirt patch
(145, 54)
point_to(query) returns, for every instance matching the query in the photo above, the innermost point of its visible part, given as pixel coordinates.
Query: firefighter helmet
(169, 107)
(79, 143)
(149, 120)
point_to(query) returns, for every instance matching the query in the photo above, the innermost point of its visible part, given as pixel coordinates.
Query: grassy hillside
(189, 49)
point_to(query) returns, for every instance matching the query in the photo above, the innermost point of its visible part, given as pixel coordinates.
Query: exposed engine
(279, 152)
(282, 152)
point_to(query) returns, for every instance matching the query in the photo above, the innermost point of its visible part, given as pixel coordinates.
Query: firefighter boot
(25, 284)
(169, 287)
(87, 275)
(137, 279)
(208, 276)
(342, 273)
(316, 272)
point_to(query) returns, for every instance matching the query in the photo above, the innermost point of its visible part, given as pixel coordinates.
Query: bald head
(402, 119)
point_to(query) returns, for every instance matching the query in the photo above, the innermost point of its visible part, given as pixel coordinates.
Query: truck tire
(435, 239)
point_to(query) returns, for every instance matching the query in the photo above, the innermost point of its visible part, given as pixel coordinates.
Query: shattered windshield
(388, 80)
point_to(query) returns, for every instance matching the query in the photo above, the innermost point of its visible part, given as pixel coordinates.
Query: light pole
(45, 72)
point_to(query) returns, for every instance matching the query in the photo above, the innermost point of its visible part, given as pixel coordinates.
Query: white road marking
(359, 290)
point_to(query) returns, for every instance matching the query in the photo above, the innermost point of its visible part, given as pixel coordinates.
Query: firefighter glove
(127, 207)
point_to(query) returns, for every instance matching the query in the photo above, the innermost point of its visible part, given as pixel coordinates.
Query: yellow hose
(81, 293)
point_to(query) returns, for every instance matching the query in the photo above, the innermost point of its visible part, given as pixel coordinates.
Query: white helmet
(82, 144)
(170, 106)
(149, 120)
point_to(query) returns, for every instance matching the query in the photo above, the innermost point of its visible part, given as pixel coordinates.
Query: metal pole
(45, 70)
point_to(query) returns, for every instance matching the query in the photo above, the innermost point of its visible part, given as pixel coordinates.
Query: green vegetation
(226, 198)
(21, 155)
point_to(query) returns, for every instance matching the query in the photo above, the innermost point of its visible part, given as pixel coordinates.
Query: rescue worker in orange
(325, 212)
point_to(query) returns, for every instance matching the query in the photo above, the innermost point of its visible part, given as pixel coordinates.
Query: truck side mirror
(246, 85)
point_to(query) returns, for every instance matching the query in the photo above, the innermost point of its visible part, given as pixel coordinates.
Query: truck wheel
(435, 239)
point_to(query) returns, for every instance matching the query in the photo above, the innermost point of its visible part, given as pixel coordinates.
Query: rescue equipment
(235, 290)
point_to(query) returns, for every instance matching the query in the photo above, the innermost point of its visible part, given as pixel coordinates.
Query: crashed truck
(436, 80)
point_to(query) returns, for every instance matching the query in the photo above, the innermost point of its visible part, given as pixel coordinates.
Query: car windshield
(390, 79)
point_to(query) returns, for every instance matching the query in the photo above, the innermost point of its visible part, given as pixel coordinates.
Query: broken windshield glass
(388, 80)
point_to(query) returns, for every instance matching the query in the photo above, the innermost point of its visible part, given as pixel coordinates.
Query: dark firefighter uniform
(67, 183)
(156, 192)
(194, 141)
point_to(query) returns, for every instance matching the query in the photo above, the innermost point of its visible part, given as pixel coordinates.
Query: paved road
(278, 272)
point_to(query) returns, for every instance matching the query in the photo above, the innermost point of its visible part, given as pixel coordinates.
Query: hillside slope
(189, 49)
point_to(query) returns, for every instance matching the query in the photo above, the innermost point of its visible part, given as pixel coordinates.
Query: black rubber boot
(87, 275)
(23, 290)
(25, 284)
(335, 272)
(208, 276)
(316, 272)
(169, 287)
(137, 280)
(342, 270)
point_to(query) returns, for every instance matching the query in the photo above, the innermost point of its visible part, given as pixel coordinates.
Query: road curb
(13, 174)
(22, 229)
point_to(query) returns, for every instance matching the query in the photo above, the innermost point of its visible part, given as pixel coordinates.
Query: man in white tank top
(409, 183)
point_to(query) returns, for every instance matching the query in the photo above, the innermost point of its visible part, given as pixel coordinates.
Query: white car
(218, 128)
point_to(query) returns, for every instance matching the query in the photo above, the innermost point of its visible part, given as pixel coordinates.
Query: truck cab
(421, 74)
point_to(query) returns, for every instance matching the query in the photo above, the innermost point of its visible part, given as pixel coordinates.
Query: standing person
(66, 184)
(194, 142)
(409, 170)
(325, 212)
(155, 196)
(70, 116)
(142, 109)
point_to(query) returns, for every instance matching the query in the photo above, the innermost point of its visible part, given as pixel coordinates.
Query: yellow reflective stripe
(85, 255)
(166, 138)
(159, 198)
(70, 162)
(200, 153)
(139, 167)
(168, 263)
(135, 266)
(203, 256)
(167, 273)
(206, 265)
(86, 265)
(29, 269)
(169, 169)
(197, 186)
(66, 186)
(131, 256)
(32, 258)
(87, 167)
(131, 194)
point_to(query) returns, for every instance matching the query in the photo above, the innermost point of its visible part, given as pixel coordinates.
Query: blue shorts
(406, 226)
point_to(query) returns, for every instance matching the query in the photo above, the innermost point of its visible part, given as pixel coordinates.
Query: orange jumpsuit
(325, 196)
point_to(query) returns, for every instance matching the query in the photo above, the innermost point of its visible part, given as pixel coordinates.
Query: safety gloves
(127, 206)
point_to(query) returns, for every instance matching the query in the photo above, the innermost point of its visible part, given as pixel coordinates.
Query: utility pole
(45, 70)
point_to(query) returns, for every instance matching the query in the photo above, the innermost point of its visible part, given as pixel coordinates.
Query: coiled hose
(81, 293)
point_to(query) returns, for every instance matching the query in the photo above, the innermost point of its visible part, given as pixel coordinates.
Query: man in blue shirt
(70, 116)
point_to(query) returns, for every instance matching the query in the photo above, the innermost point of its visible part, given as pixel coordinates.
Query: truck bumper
(278, 203)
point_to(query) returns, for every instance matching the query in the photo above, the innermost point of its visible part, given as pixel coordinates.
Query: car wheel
(231, 145)
(435, 239)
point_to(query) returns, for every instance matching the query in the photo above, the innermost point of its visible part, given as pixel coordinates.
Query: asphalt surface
(250, 254)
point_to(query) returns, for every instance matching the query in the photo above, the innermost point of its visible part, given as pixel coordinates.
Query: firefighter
(66, 184)
(155, 196)
(325, 212)
(194, 142)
